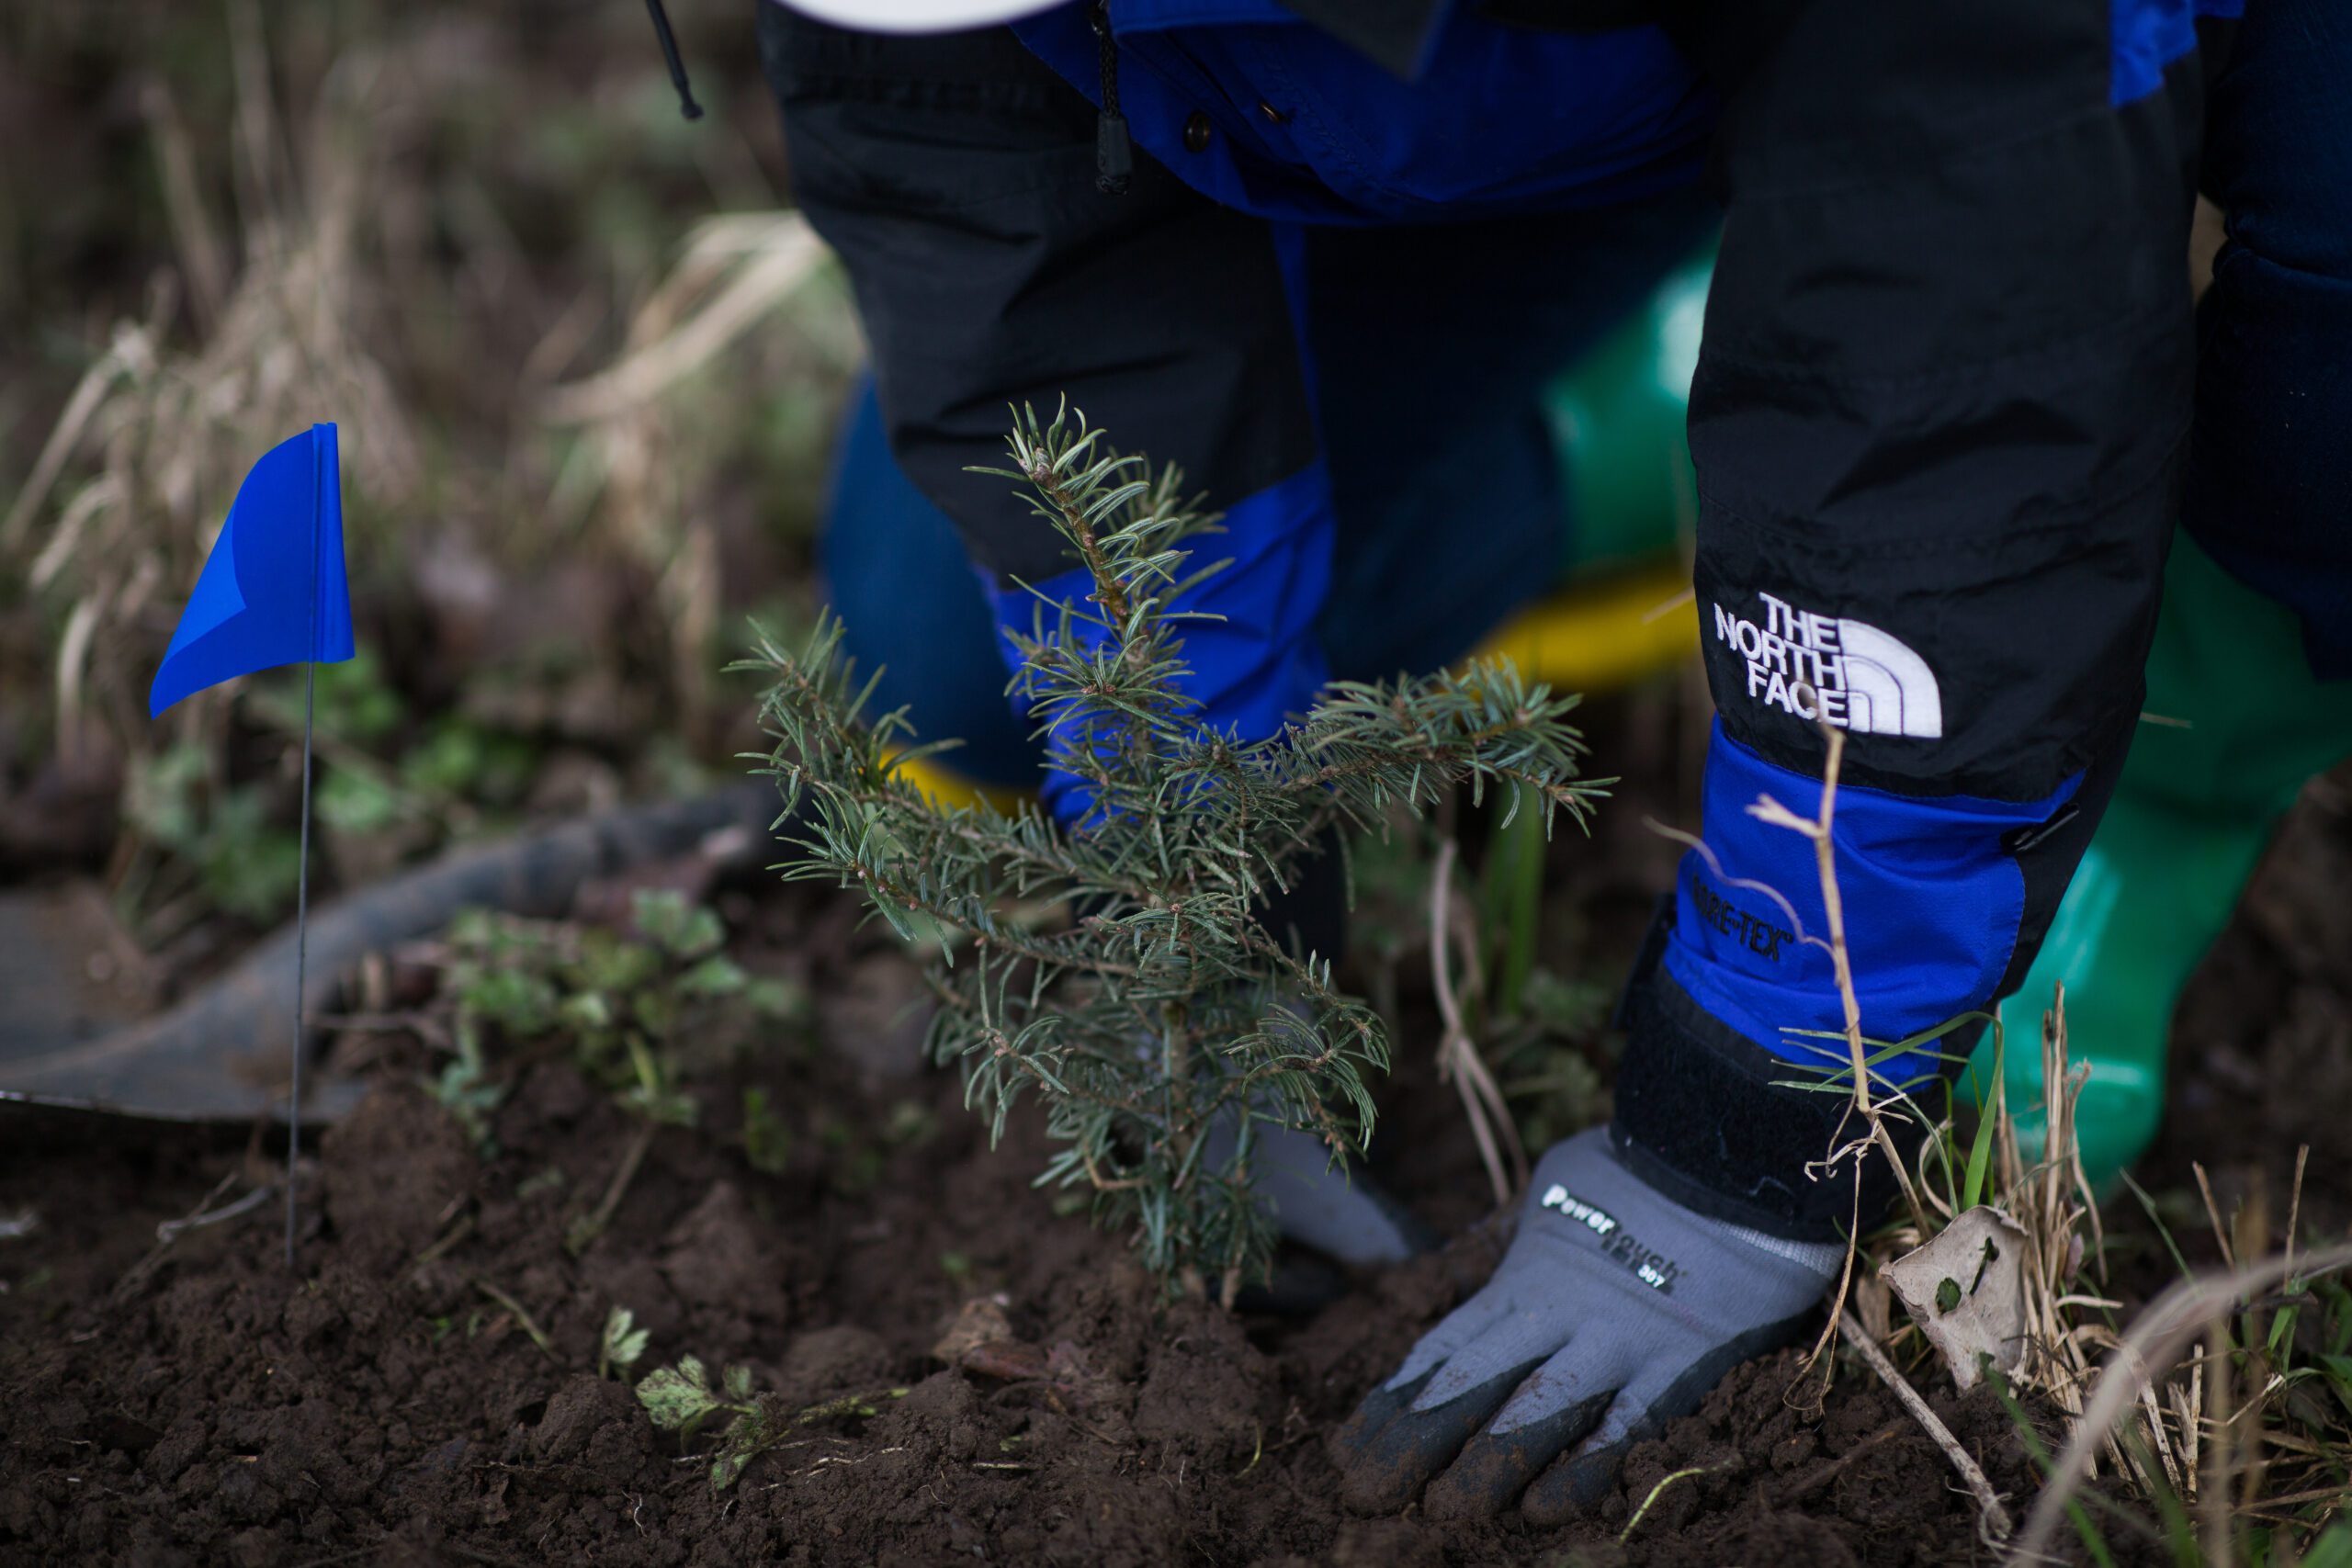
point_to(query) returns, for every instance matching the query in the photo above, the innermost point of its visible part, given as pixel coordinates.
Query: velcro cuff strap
(1703, 1116)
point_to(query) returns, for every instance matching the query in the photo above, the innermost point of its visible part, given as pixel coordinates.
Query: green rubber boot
(1619, 420)
(2237, 725)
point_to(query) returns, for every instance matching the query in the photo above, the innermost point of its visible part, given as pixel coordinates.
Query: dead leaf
(1966, 1291)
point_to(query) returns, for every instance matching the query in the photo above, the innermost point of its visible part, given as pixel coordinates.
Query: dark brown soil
(195, 1404)
(2262, 1048)
(213, 1409)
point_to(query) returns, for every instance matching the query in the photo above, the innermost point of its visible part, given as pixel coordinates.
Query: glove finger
(1514, 1339)
(1333, 1206)
(1587, 1473)
(1585, 1476)
(1342, 1212)
(1455, 1330)
(1387, 1467)
(1554, 1407)
(1383, 1403)
(1381, 1407)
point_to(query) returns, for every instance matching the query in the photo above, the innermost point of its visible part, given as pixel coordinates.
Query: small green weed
(356, 701)
(217, 835)
(458, 758)
(217, 839)
(465, 1088)
(1544, 1057)
(549, 1179)
(767, 1140)
(632, 1006)
(1510, 898)
(621, 1346)
(681, 1399)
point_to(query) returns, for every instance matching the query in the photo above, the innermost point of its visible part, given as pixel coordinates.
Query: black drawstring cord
(1115, 155)
(686, 105)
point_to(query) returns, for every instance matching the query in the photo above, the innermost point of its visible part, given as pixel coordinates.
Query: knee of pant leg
(2279, 138)
(1411, 593)
(2268, 468)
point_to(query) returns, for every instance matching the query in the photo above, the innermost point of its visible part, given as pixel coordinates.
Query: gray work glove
(1614, 1310)
(1337, 1209)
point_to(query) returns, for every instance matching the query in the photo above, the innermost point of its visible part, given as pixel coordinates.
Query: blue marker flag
(273, 591)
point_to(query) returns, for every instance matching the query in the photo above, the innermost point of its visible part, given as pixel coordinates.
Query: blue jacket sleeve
(1938, 420)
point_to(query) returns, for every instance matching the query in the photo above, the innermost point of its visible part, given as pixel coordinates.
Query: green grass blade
(1980, 1153)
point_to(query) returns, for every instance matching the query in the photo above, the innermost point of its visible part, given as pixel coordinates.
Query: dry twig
(589, 1226)
(1821, 831)
(523, 1319)
(2171, 1323)
(169, 1232)
(1458, 1060)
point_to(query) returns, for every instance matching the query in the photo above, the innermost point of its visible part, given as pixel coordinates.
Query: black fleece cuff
(1701, 1118)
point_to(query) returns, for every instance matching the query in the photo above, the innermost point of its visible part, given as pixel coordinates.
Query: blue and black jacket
(1939, 417)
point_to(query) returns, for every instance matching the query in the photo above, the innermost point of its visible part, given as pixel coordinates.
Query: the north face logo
(1827, 667)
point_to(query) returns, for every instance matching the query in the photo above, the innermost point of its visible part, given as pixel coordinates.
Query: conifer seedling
(1111, 964)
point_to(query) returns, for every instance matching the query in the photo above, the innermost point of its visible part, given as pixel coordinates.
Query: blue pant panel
(1250, 667)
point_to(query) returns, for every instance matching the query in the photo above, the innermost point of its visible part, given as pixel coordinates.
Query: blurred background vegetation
(586, 366)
